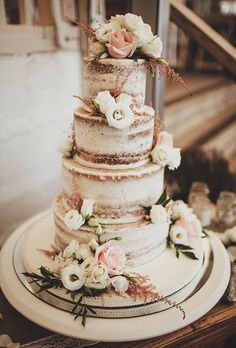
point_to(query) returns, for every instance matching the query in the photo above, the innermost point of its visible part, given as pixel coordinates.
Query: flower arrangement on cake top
(124, 36)
(127, 36)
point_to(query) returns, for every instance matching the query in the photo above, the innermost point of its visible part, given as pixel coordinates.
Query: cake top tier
(117, 76)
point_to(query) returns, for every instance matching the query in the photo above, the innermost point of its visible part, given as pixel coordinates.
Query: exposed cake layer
(122, 75)
(118, 194)
(99, 145)
(141, 241)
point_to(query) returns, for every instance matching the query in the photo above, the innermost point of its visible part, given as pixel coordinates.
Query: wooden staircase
(207, 118)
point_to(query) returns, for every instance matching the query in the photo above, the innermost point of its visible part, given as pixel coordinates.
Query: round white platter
(113, 330)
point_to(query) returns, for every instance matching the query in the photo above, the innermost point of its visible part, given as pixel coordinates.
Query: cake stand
(16, 290)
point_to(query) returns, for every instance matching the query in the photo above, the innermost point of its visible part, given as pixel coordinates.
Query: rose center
(73, 277)
(118, 114)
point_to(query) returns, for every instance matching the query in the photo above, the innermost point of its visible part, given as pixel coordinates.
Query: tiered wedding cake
(114, 219)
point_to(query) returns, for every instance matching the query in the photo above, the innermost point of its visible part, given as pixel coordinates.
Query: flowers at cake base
(91, 270)
(117, 111)
(164, 154)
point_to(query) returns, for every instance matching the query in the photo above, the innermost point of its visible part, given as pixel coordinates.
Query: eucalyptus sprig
(186, 250)
(163, 200)
(48, 280)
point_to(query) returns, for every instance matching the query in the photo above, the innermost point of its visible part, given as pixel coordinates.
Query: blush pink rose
(166, 139)
(112, 256)
(121, 44)
(192, 225)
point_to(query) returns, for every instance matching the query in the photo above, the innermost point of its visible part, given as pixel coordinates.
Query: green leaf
(85, 311)
(46, 273)
(205, 234)
(164, 204)
(177, 253)
(183, 247)
(161, 61)
(190, 254)
(78, 314)
(77, 304)
(162, 198)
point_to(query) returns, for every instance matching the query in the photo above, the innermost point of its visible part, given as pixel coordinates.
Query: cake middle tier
(100, 146)
(119, 195)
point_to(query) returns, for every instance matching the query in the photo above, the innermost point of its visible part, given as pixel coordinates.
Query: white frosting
(119, 194)
(126, 74)
(104, 146)
(141, 242)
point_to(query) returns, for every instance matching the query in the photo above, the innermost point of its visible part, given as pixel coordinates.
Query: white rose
(104, 31)
(99, 278)
(87, 266)
(178, 210)
(232, 253)
(65, 147)
(120, 19)
(72, 249)
(120, 284)
(87, 208)
(153, 48)
(72, 277)
(96, 49)
(158, 214)
(104, 100)
(174, 159)
(178, 235)
(160, 154)
(73, 220)
(84, 252)
(132, 22)
(93, 244)
(144, 34)
(119, 116)
(231, 234)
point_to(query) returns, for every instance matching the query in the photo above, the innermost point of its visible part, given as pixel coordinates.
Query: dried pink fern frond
(88, 105)
(141, 287)
(84, 26)
(157, 126)
(167, 70)
(50, 253)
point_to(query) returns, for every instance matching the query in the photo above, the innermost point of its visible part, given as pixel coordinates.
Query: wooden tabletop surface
(215, 329)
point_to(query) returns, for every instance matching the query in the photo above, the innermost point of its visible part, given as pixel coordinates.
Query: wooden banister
(200, 31)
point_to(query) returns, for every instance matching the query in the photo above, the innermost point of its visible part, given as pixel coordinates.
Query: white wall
(36, 107)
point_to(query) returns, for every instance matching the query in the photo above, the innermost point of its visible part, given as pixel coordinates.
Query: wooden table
(215, 329)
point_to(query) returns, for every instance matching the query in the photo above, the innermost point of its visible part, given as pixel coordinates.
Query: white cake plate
(113, 330)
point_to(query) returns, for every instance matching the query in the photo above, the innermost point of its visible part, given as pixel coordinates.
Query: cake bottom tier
(141, 241)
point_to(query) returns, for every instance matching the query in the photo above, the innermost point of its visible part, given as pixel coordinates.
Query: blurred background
(41, 69)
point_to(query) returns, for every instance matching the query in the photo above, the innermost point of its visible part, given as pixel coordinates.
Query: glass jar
(226, 209)
(199, 201)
